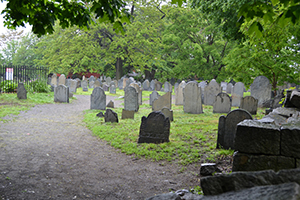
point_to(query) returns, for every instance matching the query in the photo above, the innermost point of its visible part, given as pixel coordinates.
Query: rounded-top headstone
(261, 90)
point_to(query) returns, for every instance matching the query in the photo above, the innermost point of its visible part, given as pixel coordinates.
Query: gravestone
(120, 84)
(116, 83)
(146, 85)
(172, 81)
(155, 128)
(192, 98)
(202, 85)
(62, 80)
(97, 83)
(91, 84)
(72, 85)
(21, 91)
(68, 82)
(223, 86)
(108, 80)
(176, 87)
(229, 88)
(110, 104)
(124, 83)
(237, 94)
(92, 78)
(111, 116)
(61, 94)
(98, 99)
(112, 89)
(126, 114)
(227, 127)
(154, 95)
(139, 91)
(54, 80)
(83, 78)
(261, 90)
(167, 87)
(222, 103)
(129, 81)
(249, 103)
(162, 101)
(158, 86)
(168, 113)
(78, 82)
(179, 93)
(131, 99)
(152, 85)
(105, 87)
(211, 91)
(84, 85)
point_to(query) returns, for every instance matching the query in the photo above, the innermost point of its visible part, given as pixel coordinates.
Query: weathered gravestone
(92, 78)
(211, 91)
(127, 114)
(158, 86)
(91, 84)
(176, 87)
(110, 104)
(261, 90)
(237, 94)
(202, 85)
(152, 85)
(162, 101)
(72, 86)
(84, 85)
(168, 113)
(249, 103)
(112, 89)
(192, 98)
(227, 127)
(229, 88)
(105, 87)
(155, 128)
(62, 80)
(139, 91)
(179, 93)
(111, 116)
(154, 95)
(129, 81)
(120, 84)
(116, 82)
(223, 86)
(131, 99)
(97, 83)
(146, 85)
(124, 83)
(98, 99)
(167, 87)
(61, 94)
(108, 80)
(222, 103)
(21, 91)
(78, 82)
(54, 80)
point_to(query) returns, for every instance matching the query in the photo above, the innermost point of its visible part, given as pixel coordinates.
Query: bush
(38, 86)
(8, 86)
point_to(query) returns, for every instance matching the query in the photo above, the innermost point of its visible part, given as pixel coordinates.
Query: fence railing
(11, 75)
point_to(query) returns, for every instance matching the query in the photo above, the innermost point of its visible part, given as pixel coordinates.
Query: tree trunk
(119, 68)
(149, 75)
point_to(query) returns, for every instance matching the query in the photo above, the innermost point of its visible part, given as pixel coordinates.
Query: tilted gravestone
(154, 95)
(167, 87)
(152, 85)
(98, 99)
(168, 113)
(261, 90)
(61, 94)
(249, 103)
(62, 80)
(84, 85)
(179, 93)
(126, 114)
(21, 91)
(222, 103)
(211, 91)
(131, 99)
(227, 127)
(155, 128)
(162, 101)
(192, 98)
(111, 116)
(237, 94)
(146, 85)
(72, 85)
(139, 91)
(229, 88)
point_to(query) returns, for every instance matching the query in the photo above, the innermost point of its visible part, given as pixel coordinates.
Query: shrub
(38, 86)
(8, 86)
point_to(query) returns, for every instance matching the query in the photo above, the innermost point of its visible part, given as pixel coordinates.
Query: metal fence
(11, 75)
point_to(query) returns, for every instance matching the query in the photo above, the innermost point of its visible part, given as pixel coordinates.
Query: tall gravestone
(61, 94)
(152, 85)
(54, 80)
(108, 80)
(237, 94)
(176, 87)
(227, 127)
(84, 85)
(112, 89)
(192, 98)
(229, 88)
(249, 103)
(139, 91)
(211, 91)
(154, 95)
(261, 90)
(62, 80)
(222, 103)
(155, 128)
(21, 91)
(131, 99)
(124, 83)
(223, 86)
(72, 85)
(162, 101)
(98, 99)
(167, 87)
(179, 93)
(120, 83)
(146, 85)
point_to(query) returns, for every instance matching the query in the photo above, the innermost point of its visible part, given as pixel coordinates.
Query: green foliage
(284, 93)
(38, 86)
(8, 86)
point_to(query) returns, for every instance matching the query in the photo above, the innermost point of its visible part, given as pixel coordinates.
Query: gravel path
(48, 153)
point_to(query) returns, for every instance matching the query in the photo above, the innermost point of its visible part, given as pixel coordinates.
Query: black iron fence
(11, 75)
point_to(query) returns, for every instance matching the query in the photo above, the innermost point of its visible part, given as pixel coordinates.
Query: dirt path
(48, 153)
